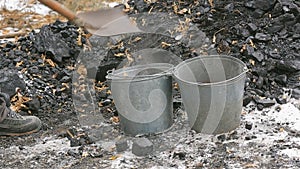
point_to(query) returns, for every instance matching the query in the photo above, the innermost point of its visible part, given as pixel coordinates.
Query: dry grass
(23, 21)
(86, 5)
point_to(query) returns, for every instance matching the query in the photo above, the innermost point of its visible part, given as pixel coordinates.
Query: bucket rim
(201, 57)
(114, 74)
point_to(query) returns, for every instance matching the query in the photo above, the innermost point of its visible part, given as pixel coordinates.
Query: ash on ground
(80, 122)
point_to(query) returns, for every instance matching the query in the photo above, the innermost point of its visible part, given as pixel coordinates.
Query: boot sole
(19, 134)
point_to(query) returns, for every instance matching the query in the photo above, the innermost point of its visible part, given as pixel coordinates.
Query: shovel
(102, 22)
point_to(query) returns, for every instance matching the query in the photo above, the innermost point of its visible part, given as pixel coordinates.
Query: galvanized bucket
(143, 97)
(212, 92)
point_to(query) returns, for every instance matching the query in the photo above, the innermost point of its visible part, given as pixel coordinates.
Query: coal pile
(265, 35)
(39, 68)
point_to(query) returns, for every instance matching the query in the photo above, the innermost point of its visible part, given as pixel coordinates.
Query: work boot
(6, 98)
(14, 124)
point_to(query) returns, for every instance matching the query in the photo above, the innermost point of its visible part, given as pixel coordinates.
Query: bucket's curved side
(212, 108)
(219, 108)
(144, 104)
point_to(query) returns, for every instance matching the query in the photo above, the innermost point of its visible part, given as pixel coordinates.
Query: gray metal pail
(212, 90)
(143, 97)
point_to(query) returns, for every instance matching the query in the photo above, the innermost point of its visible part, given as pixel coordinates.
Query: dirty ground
(47, 66)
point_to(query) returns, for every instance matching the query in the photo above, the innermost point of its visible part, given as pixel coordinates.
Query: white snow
(292, 153)
(24, 5)
(289, 113)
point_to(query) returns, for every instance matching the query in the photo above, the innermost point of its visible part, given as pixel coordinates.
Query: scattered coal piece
(262, 37)
(180, 155)
(288, 66)
(122, 145)
(10, 45)
(10, 81)
(248, 125)
(281, 79)
(142, 147)
(250, 4)
(287, 19)
(141, 6)
(103, 94)
(65, 79)
(264, 102)
(274, 54)
(250, 50)
(281, 100)
(73, 152)
(106, 102)
(247, 99)
(34, 104)
(51, 44)
(258, 56)
(33, 70)
(296, 93)
(80, 139)
(229, 7)
(259, 83)
(278, 108)
(248, 137)
(177, 102)
(264, 5)
(258, 13)
(104, 67)
(275, 28)
(252, 27)
(221, 137)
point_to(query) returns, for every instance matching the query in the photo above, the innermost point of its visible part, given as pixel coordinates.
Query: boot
(14, 124)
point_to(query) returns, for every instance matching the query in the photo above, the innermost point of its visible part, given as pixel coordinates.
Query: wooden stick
(58, 7)
(61, 9)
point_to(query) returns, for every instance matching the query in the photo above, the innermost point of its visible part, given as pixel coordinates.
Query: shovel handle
(58, 7)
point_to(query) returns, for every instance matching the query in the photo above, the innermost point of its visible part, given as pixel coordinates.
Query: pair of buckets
(211, 87)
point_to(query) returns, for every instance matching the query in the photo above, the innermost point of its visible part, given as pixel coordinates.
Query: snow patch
(292, 153)
(23, 5)
(289, 113)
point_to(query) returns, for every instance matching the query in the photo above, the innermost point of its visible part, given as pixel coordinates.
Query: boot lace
(13, 114)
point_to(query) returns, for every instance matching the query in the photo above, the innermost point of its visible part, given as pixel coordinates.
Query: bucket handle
(111, 73)
(170, 72)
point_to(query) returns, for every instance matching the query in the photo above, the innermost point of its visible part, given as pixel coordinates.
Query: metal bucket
(212, 90)
(143, 97)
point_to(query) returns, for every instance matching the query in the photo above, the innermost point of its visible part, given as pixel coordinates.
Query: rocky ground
(59, 73)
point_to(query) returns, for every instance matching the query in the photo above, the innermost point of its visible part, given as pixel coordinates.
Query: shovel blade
(108, 22)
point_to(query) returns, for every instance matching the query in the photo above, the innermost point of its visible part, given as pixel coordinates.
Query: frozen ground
(272, 141)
